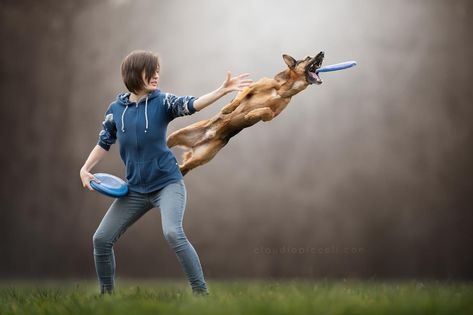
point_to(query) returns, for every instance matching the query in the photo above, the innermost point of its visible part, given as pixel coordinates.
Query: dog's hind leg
(201, 155)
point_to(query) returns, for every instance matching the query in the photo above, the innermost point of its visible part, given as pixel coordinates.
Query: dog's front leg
(227, 109)
(265, 114)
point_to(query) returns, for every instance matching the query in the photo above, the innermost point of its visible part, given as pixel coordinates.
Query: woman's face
(153, 82)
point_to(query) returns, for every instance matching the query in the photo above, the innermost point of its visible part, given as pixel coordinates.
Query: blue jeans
(124, 211)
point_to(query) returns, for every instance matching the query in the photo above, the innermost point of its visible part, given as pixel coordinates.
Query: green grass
(238, 297)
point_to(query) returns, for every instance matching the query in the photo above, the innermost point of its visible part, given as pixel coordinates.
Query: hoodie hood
(124, 100)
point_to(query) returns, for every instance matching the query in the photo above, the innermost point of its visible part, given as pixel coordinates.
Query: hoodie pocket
(150, 171)
(133, 173)
(166, 162)
(157, 168)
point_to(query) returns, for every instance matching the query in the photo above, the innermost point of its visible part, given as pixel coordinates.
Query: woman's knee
(174, 236)
(101, 241)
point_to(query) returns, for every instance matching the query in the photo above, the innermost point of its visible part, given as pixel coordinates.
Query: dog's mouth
(311, 69)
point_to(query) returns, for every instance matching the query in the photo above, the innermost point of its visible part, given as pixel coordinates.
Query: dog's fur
(262, 100)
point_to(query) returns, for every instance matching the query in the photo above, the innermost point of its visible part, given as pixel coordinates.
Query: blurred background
(367, 176)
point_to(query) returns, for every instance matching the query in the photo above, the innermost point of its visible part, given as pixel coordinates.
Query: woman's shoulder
(122, 99)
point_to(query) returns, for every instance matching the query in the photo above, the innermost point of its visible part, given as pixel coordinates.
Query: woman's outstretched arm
(230, 84)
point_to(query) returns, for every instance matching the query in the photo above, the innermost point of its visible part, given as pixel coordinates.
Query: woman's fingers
(241, 78)
(87, 178)
(239, 82)
(86, 184)
(245, 83)
(89, 187)
(243, 75)
(92, 178)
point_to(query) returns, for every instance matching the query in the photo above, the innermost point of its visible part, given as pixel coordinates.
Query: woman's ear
(291, 62)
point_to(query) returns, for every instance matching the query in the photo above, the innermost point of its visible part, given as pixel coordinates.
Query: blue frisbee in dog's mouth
(337, 66)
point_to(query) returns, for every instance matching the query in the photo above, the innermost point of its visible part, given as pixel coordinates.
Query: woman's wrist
(207, 99)
(85, 169)
(222, 91)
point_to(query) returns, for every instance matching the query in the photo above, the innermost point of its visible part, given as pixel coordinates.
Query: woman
(138, 119)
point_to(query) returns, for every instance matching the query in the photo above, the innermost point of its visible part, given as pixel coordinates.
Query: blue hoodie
(141, 131)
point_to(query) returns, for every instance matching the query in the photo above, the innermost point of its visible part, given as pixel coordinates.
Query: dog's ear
(291, 62)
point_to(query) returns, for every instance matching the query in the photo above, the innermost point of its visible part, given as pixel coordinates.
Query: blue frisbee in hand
(337, 66)
(110, 185)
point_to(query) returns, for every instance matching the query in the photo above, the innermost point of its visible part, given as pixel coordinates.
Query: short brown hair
(133, 66)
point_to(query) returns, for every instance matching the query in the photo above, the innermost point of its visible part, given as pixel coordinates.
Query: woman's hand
(237, 83)
(94, 157)
(86, 177)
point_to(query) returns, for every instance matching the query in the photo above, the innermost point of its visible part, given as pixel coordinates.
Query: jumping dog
(262, 100)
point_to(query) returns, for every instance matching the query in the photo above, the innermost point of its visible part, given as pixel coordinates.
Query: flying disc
(109, 185)
(337, 66)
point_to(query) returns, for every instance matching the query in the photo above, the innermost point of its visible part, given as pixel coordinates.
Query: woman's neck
(136, 97)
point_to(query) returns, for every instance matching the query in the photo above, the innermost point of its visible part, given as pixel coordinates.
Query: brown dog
(263, 100)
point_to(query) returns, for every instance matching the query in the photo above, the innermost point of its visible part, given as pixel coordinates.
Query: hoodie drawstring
(123, 121)
(146, 116)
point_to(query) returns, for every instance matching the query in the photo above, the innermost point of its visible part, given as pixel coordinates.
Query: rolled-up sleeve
(177, 106)
(108, 134)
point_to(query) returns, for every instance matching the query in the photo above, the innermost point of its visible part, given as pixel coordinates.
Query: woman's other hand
(86, 177)
(237, 83)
